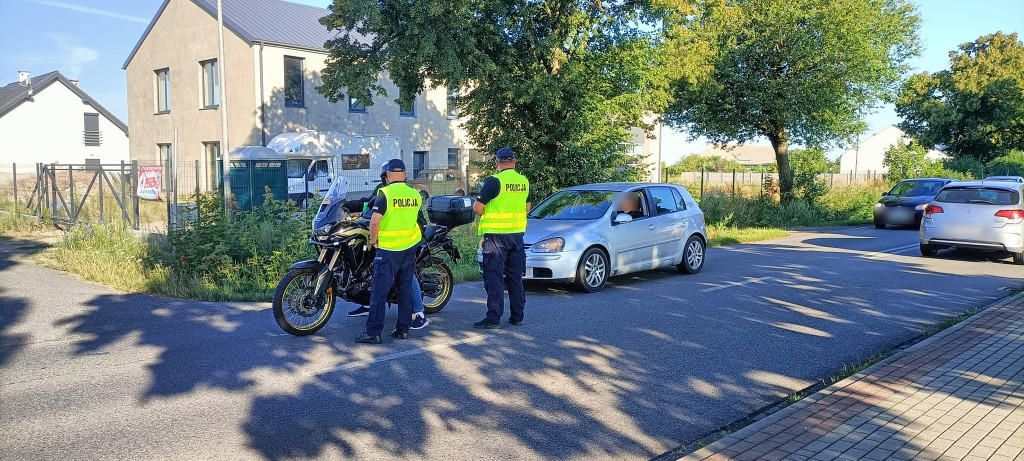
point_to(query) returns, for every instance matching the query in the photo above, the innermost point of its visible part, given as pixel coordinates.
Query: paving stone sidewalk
(956, 395)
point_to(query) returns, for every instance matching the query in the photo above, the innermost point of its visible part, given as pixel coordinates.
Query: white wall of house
(869, 156)
(49, 129)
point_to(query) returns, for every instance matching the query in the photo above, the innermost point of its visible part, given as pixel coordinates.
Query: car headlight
(553, 245)
(879, 205)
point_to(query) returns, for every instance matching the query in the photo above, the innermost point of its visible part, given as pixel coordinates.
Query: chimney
(75, 82)
(24, 78)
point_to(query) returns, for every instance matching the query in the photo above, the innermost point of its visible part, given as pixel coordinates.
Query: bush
(1011, 164)
(969, 166)
(839, 206)
(904, 161)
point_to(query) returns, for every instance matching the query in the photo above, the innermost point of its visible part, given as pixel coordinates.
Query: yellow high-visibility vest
(506, 213)
(398, 227)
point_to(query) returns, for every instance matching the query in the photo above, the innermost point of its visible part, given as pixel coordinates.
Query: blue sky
(89, 40)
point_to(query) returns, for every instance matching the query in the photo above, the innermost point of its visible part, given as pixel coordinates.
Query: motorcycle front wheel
(295, 310)
(436, 281)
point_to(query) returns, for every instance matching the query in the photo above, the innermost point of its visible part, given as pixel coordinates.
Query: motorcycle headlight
(553, 245)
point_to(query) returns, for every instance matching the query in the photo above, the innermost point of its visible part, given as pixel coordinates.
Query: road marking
(398, 355)
(735, 284)
(898, 250)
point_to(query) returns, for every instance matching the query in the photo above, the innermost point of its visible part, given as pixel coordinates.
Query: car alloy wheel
(592, 273)
(693, 256)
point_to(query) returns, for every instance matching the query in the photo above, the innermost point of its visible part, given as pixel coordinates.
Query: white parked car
(980, 215)
(586, 234)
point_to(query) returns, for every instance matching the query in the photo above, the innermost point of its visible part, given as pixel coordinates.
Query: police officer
(395, 233)
(419, 319)
(502, 207)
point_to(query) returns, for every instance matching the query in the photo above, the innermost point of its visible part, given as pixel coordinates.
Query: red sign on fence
(149, 182)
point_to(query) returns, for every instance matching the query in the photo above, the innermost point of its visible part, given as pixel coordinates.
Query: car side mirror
(623, 218)
(884, 194)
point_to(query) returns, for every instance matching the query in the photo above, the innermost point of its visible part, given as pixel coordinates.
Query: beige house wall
(180, 38)
(431, 130)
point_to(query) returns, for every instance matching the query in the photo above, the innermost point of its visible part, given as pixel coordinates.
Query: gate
(75, 192)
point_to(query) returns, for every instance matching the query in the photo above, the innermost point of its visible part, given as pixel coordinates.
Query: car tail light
(931, 209)
(1012, 215)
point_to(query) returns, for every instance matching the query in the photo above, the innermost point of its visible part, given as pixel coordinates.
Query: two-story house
(274, 57)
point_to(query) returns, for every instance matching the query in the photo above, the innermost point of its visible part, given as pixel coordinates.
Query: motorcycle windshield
(330, 209)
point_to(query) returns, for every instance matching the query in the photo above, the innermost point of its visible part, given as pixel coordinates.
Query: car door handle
(651, 227)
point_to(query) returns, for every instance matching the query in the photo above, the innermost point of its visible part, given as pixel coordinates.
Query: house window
(453, 159)
(407, 110)
(211, 150)
(293, 82)
(453, 100)
(91, 132)
(167, 161)
(211, 87)
(356, 105)
(163, 91)
(356, 162)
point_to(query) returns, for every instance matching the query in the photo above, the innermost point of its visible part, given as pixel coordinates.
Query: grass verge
(721, 235)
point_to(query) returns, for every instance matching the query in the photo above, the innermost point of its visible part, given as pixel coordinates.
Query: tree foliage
(559, 81)
(792, 71)
(905, 160)
(697, 162)
(1011, 164)
(976, 107)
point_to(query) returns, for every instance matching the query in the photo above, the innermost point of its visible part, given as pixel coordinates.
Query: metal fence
(752, 183)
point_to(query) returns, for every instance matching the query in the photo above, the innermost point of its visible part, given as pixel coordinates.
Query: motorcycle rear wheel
(440, 274)
(294, 311)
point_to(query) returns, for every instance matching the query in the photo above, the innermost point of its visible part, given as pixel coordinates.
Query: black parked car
(904, 204)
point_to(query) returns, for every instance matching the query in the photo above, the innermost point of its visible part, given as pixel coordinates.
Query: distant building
(743, 154)
(275, 56)
(869, 156)
(50, 119)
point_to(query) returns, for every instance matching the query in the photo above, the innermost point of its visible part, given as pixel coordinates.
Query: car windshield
(978, 195)
(916, 188)
(297, 168)
(574, 205)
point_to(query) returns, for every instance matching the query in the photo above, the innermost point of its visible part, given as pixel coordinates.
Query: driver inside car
(630, 204)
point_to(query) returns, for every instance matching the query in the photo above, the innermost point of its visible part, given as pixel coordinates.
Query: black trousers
(504, 262)
(391, 268)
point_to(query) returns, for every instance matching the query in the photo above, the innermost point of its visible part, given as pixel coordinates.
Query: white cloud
(71, 56)
(97, 11)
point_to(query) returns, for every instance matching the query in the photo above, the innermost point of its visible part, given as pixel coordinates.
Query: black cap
(505, 153)
(396, 166)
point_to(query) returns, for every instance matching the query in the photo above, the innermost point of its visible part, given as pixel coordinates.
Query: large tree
(560, 81)
(792, 71)
(976, 107)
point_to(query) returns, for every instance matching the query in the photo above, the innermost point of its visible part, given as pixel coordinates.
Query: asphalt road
(654, 360)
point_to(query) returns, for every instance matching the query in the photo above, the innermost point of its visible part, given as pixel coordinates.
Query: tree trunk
(780, 142)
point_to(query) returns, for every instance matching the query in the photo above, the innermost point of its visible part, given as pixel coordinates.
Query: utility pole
(225, 150)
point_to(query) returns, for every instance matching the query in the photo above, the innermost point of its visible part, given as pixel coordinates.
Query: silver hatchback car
(585, 234)
(981, 215)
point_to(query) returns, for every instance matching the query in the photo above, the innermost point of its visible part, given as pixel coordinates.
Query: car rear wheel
(928, 250)
(1018, 258)
(879, 224)
(693, 256)
(592, 272)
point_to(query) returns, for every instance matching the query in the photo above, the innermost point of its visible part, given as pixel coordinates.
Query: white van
(315, 158)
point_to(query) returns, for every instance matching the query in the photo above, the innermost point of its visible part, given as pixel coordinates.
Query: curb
(813, 398)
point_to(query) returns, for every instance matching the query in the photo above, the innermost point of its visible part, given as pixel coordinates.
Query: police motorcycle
(305, 298)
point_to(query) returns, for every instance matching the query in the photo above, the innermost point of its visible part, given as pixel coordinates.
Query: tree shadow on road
(669, 365)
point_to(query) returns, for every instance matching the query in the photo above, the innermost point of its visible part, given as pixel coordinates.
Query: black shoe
(515, 322)
(367, 339)
(486, 324)
(399, 334)
(359, 311)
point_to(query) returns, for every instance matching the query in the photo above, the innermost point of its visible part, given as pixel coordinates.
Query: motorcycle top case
(450, 210)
